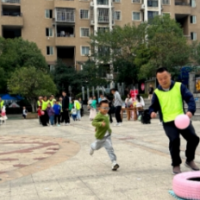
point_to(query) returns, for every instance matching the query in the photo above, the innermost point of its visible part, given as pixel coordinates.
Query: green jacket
(100, 130)
(71, 105)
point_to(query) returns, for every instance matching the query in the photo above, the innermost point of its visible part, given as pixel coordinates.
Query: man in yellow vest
(1, 103)
(168, 99)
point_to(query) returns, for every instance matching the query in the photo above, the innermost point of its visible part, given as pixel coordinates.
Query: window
(117, 15)
(49, 32)
(84, 14)
(165, 2)
(85, 51)
(136, 16)
(193, 3)
(51, 68)
(84, 32)
(103, 29)
(136, 1)
(152, 3)
(116, 1)
(152, 14)
(49, 50)
(48, 14)
(193, 19)
(193, 36)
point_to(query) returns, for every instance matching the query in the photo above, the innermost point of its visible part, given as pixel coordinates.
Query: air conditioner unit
(91, 3)
(142, 6)
(92, 21)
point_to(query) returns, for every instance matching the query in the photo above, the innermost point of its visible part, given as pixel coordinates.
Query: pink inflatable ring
(187, 185)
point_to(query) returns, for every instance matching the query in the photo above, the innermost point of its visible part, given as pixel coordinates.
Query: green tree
(91, 75)
(31, 83)
(65, 76)
(16, 53)
(165, 46)
(119, 47)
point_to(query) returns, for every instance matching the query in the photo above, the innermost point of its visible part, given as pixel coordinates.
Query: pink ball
(182, 121)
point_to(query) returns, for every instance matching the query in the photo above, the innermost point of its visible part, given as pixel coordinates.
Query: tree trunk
(33, 105)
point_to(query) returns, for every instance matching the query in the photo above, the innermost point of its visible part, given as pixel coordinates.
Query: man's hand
(189, 114)
(153, 115)
(103, 124)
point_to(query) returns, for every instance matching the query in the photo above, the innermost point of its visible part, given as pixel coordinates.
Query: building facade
(61, 28)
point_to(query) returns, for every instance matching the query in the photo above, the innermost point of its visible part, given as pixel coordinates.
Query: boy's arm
(96, 122)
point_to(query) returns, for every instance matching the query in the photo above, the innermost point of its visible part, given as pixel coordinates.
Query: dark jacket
(186, 96)
(65, 103)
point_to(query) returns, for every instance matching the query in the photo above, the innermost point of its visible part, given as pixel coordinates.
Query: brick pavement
(53, 162)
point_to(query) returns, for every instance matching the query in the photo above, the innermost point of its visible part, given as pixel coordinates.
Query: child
(24, 112)
(74, 113)
(3, 114)
(57, 109)
(103, 133)
(51, 113)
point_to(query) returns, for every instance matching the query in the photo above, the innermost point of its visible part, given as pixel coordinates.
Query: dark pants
(174, 142)
(82, 112)
(110, 115)
(61, 117)
(46, 117)
(24, 116)
(57, 119)
(66, 116)
(117, 114)
(43, 120)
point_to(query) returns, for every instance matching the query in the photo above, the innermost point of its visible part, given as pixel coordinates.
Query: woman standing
(93, 107)
(139, 105)
(128, 106)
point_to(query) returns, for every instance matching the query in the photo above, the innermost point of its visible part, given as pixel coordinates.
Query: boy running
(103, 133)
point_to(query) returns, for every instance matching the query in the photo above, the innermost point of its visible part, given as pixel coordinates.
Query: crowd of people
(56, 111)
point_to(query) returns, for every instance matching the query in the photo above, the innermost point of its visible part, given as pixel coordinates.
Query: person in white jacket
(139, 105)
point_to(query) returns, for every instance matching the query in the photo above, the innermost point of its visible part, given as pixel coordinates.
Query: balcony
(152, 3)
(65, 15)
(182, 7)
(65, 41)
(181, 3)
(64, 4)
(102, 2)
(103, 19)
(10, 1)
(11, 19)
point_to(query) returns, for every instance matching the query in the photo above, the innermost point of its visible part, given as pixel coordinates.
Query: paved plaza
(53, 163)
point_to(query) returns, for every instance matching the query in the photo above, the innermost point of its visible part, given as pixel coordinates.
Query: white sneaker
(117, 124)
(91, 151)
(115, 166)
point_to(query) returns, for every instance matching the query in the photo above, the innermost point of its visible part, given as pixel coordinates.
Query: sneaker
(91, 151)
(176, 170)
(58, 124)
(115, 166)
(192, 165)
(117, 124)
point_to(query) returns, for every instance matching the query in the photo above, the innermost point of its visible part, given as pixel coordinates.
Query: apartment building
(61, 28)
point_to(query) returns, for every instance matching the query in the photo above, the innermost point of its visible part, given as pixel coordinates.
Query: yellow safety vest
(171, 102)
(1, 104)
(45, 104)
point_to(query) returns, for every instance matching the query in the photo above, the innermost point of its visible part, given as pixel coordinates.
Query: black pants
(46, 117)
(57, 119)
(82, 111)
(66, 116)
(43, 120)
(24, 116)
(110, 115)
(117, 114)
(174, 142)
